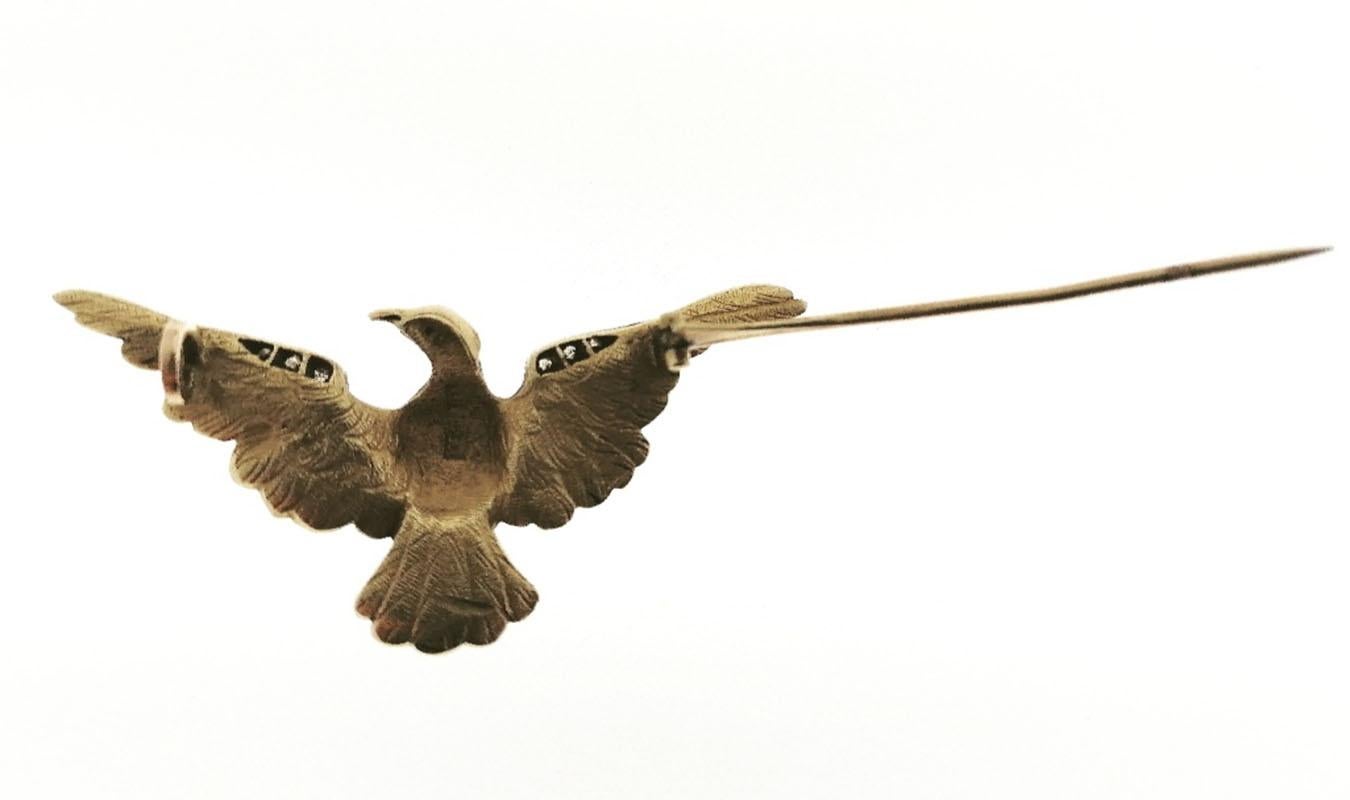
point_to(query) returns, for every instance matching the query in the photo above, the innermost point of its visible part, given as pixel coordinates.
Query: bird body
(438, 474)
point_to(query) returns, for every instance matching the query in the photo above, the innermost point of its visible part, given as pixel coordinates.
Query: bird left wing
(139, 328)
(314, 451)
(576, 423)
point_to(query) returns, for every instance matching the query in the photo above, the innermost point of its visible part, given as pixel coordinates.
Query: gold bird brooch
(438, 474)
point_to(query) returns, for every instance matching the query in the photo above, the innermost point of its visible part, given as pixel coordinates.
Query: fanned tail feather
(445, 582)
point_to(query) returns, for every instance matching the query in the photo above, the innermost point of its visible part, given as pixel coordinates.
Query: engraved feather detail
(577, 430)
(445, 582)
(756, 303)
(313, 450)
(139, 328)
(578, 434)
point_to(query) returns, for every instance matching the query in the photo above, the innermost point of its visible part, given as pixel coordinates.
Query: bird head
(441, 333)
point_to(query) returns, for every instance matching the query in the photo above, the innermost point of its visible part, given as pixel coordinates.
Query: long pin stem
(702, 335)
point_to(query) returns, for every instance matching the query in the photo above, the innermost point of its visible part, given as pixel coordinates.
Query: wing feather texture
(139, 328)
(315, 452)
(577, 429)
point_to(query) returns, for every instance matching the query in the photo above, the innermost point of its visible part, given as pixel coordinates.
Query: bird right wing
(314, 451)
(576, 423)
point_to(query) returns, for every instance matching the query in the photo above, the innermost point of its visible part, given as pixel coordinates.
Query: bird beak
(387, 315)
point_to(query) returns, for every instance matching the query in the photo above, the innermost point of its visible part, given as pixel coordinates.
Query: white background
(1095, 549)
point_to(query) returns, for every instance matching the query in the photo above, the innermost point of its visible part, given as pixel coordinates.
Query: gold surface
(439, 473)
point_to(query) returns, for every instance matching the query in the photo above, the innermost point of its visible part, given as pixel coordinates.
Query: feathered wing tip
(755, 303)
(138, 327)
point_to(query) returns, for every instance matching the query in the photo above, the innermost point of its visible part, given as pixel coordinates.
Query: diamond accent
(321, 374)
(569, 352)
(545, 363)
(265, 353)
(293, 362)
